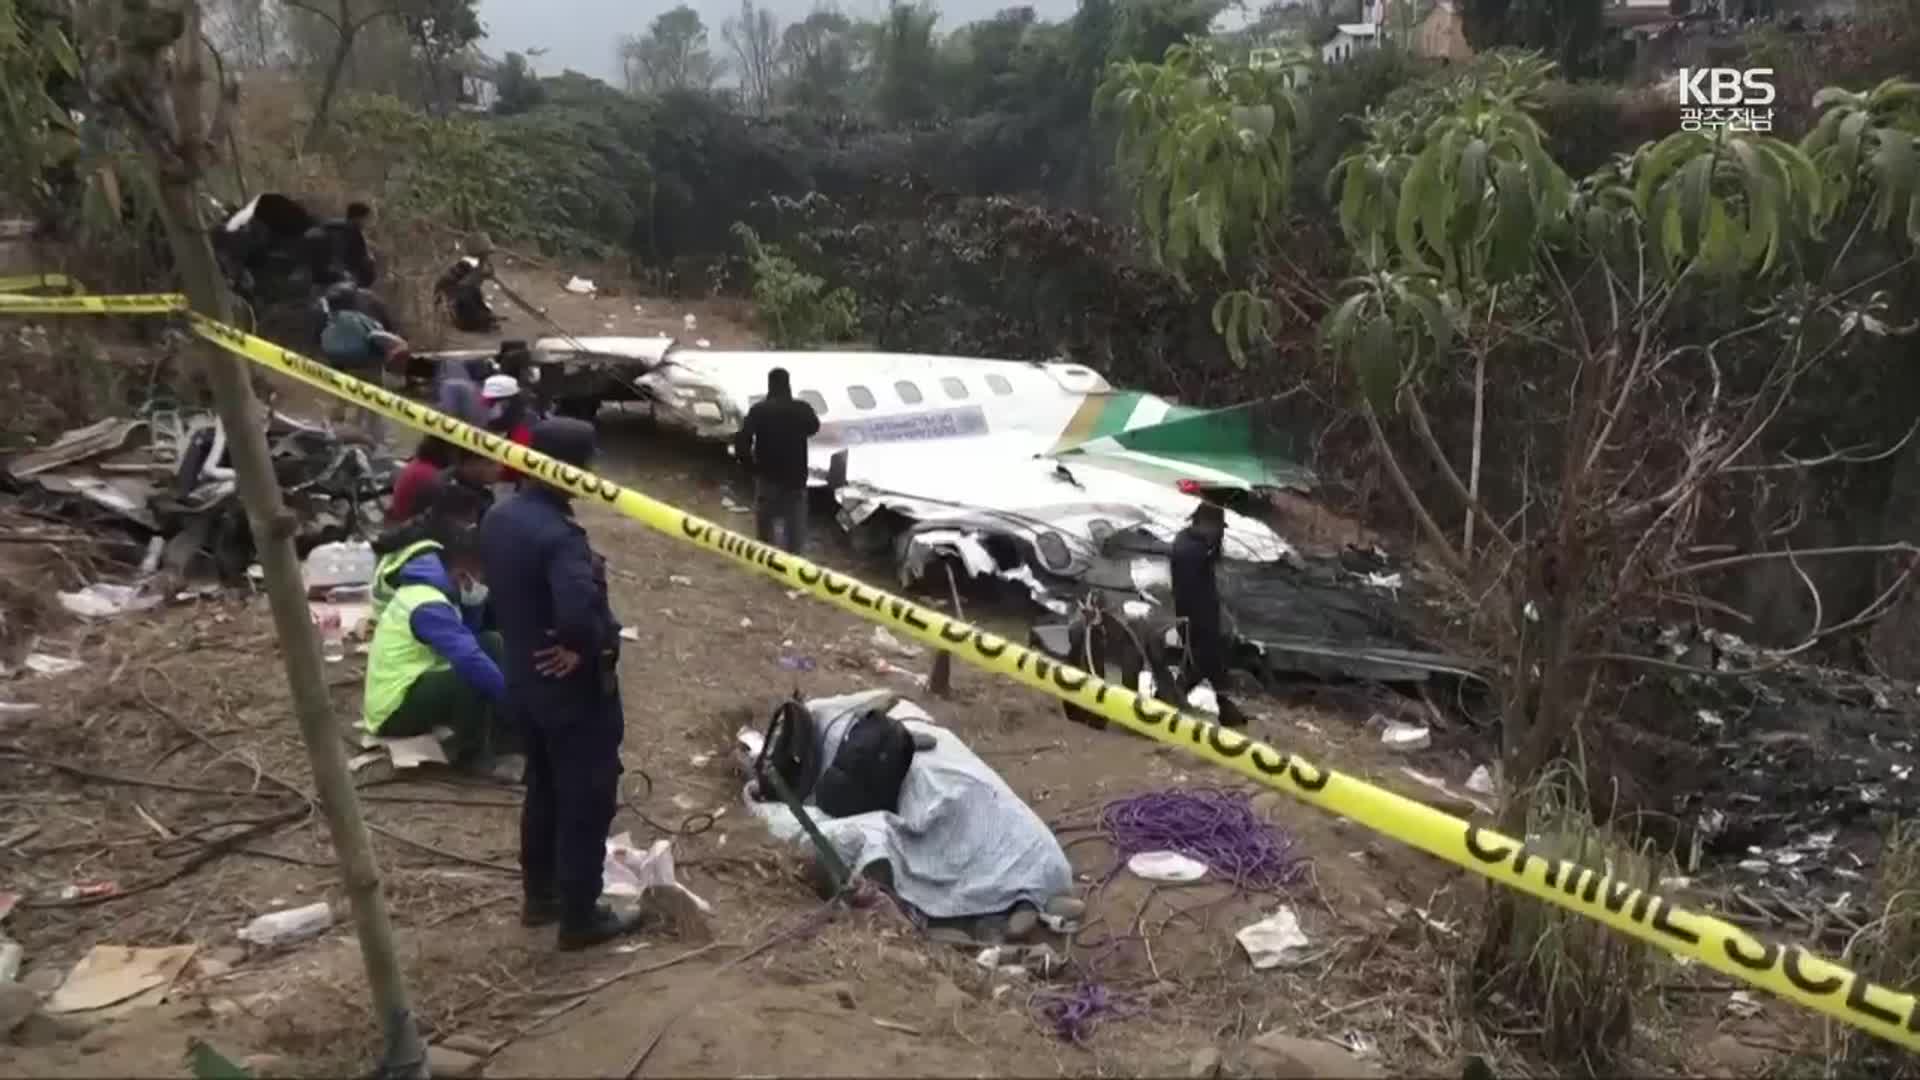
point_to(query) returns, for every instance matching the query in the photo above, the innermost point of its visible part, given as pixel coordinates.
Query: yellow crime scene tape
(36, 282)
(1789, 971)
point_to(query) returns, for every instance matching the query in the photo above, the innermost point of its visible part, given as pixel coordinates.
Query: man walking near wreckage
(549, 594)
(772, 444)
(1196, 601)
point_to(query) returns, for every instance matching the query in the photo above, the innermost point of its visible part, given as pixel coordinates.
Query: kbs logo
(1738, 99)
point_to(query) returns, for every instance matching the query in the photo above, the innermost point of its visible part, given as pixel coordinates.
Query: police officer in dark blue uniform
(549, 599)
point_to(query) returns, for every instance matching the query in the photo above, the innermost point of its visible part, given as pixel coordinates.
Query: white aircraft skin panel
(898, 399)
(1023, 495)
(1150, 411)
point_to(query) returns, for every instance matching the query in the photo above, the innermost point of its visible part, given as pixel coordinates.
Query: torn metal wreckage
(1063, 472)
(165, 476)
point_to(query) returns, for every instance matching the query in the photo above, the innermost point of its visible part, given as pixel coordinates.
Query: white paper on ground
(47, 664)
(1274, 941)
(113, 974)
(101, 600)
(630, 871)
(1204, 699)
(412, 751)
(1166, 866)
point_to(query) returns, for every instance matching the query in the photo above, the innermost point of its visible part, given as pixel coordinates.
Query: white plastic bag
(288, 927)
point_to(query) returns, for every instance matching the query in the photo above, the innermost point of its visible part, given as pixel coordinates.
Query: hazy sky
(580, 34)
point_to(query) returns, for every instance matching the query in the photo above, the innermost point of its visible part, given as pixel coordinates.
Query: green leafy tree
(673, 55)
(1572, 32)
(1209, 142)
(820, 55)
(796, 309)
(38, 65)
(1673, 303)
(905, 60)
(440, 30)
(519, 89)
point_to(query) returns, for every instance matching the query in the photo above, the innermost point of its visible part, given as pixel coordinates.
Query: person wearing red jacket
(508, 415)
(507, 412)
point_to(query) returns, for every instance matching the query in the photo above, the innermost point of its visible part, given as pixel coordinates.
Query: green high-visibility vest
(388, 566)
(396, 658)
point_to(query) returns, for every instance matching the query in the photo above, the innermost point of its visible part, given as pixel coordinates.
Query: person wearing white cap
(508, 415)
(507, 412)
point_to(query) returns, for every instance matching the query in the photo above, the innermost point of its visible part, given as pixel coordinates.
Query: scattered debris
(1274, 941)
(884, 639)
(341, 563)
(82, 890)
(629, 633)
(1453, 801)
(47, 664)
(883, 666)
(1203, 698)
(1481, 782)
(288, 927)
(446, 1061)
(1359, 1043)
(1166, 866)
(580, 286)
(102, 600)
(797, 663)
(630, 871)
(116, 975)
(1405, 737)
(1277, 1053)
(412, 751)
(167, 476)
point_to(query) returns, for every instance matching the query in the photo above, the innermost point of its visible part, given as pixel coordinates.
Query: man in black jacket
(338, 249)
(1196, 601)
(772, 444)
(548, 592)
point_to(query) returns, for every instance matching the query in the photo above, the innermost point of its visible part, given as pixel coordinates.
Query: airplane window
(955, 389)
(1053, 552)
(813, 398)
(861, 397)
(1000, 385)
(909, 393)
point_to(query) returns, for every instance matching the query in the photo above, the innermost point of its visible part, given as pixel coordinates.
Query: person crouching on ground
(427, 668)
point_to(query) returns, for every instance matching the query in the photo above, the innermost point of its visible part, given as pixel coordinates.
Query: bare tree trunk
(323, 108)
(1479, 435)
(178, 160)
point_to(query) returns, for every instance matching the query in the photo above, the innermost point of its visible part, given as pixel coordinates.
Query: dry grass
(1549, 976)
(1887, 951)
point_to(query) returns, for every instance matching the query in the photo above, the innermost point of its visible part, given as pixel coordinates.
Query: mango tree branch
(1434, 534)
(1809, 553)
(1475, 510)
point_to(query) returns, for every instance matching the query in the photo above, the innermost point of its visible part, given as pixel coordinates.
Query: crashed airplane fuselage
(975, 461)
(1039, 472)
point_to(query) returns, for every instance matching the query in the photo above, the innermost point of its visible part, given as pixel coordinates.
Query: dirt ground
(162, 765)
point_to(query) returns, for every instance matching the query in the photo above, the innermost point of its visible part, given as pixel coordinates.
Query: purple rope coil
(1073, 1014)
(1218, 828)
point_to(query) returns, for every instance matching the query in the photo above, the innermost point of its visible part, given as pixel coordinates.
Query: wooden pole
(179, 159)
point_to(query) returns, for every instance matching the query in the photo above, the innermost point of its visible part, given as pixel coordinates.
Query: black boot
(598, 928)
(540, 910)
